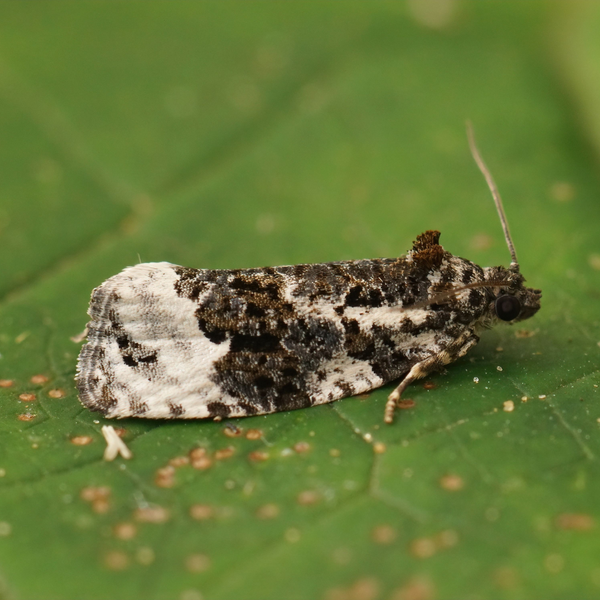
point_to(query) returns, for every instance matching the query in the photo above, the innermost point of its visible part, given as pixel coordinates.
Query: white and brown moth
(170, 342)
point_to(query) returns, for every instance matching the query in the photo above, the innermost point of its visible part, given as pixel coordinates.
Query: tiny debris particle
(27, 397)
(308, 498)
(22, 337)
(481, 241)
(202, 463)
(100, 506)
(524, 333)
(405, 403)
(151, 514)
(165, 477)
(414, 589)
(199, 459)
(268, 511)
(342, 556)
(575, 521)
(562, 191)
(197, 453)
(81, 440)
(447, 539)
(231, 430)
(197, 563)
(452, 482)
(258, 456)
(542, 396)
(57, 393)
(145, 556)
(367, 588)
(248, 488)
(116, 560)
(98, 497)
(554, 563)
(265, 223)
(499, 349)
(223, 453)
(301, 447)
(6, 383)
(429, 385)
(5, 529)
(508, 406)
(524, 398)
(498, 368)
(201, 512)
(179, 461)
(379, 447)
(26, 417)
(191, 594)
(254, 434)
(594, 261)
(292, 535)
(39, 379)
(90, 493)
(433, 15)
(226, 512)
(475, 379)
(114, 444)
(334, 452)
(383, 534)
(368, 438)
(423, 547)
(427, 547)
(506, 578)
(124, 531)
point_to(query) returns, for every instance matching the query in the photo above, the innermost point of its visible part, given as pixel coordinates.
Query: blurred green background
(239, 134)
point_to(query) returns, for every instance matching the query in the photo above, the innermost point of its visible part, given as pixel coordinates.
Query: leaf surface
(271, 134)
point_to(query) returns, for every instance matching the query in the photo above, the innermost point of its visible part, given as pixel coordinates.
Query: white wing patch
(153, 315)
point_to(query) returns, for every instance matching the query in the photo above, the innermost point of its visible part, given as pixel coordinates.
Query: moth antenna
(514, 263)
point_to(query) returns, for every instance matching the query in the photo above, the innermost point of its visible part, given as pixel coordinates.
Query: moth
(170, 342)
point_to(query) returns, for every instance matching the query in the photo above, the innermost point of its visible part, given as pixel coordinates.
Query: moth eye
(508, 307)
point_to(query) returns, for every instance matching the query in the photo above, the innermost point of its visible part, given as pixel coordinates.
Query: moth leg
(455, 350)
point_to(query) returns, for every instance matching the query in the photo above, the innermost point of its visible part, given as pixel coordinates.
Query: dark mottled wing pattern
(257, 341)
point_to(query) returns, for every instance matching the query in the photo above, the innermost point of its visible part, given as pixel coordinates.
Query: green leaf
(248, 134)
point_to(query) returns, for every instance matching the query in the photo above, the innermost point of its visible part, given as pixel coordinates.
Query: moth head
(512, 300)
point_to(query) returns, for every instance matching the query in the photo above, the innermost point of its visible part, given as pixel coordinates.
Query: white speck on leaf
(114, 444)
